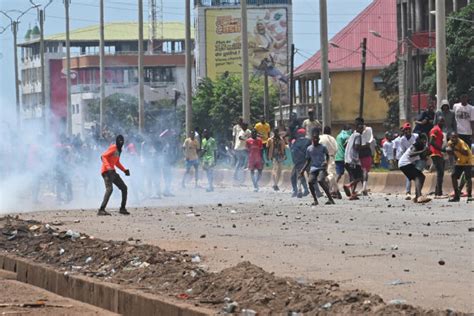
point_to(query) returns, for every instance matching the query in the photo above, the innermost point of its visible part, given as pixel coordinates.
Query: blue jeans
(241, 157)
(295, 173)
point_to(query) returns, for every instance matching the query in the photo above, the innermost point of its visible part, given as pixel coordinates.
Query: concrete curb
(105, 295)
(380, 182)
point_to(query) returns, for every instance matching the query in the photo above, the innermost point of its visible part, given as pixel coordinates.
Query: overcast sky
(86, 12)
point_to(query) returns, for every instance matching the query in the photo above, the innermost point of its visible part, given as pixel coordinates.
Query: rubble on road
(242, 288)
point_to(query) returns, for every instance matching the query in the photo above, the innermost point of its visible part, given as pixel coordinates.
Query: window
(159, 74)
(378, 82)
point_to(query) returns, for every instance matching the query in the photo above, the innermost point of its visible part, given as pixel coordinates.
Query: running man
(407, 165)
(331, 144)
(209, 150)
(464, 162)
(191, 148)
(298, 155)
(317, 157)
(352, 162)
(341, 141)
(406, 140)
(276, 154)
(110, 159)
(263, 129)
(254, 147)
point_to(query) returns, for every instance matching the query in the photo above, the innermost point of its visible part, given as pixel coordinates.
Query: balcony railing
(95, 88)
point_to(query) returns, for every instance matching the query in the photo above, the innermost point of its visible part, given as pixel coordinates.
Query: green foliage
(460, 54)
(218, 104)
(390, 94)
(121, 113)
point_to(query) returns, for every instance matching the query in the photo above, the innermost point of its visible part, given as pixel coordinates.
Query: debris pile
(245, 288)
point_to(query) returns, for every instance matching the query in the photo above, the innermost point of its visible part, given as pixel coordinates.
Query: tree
(218, 104)
(390, 94)
(460, 54)
(121, 114)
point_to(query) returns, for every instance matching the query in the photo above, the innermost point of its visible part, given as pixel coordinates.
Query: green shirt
(209, 146)
(341, 141)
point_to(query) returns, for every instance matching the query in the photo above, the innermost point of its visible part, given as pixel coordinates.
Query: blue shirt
(298, 150)
(318, 155)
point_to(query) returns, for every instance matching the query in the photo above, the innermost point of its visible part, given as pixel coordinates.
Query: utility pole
(68, 72)
(102, 68)
(292, 85)
(441, 72)
(418, 79)
(323, 17)
(141, 79)
(17, 88)
(189, 64)
(245, 62)
(43, 84)
(362, 79)
(266, 97)
(408, 77)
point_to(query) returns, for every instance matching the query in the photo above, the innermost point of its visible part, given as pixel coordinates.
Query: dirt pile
(179, 274)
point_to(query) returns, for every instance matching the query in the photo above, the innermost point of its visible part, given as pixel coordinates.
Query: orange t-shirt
(110, 159)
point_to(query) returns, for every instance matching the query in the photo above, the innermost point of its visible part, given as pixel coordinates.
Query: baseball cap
(406, 126)
(301, 131)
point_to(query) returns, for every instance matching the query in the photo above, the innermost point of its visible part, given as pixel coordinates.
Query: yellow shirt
(263, 130)
(461, 159)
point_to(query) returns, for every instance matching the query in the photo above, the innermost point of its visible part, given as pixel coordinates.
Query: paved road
(367, 244)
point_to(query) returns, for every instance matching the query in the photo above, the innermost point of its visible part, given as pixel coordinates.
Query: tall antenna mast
(151, 25)
(155, 24)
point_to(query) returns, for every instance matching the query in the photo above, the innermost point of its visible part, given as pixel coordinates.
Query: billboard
(267, 42)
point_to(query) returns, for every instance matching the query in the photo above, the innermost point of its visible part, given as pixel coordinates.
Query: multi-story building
(417, 39)
(164, 70)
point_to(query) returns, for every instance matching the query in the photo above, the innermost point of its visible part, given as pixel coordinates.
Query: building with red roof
(378, 24)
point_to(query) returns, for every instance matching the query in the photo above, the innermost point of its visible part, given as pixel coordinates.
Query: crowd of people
(440, 141)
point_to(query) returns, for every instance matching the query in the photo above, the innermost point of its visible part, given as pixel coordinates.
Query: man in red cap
(298, 154)
(110, 159)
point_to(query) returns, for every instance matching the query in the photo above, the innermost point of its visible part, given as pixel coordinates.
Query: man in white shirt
(352, 162)
(387, 150)
(235, 131)
(240, 150)
(464, 115)
(366, 151)
(330, 142)
(407, 165)
(406, 141)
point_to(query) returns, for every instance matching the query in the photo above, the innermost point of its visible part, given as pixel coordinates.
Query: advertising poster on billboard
(268, 43)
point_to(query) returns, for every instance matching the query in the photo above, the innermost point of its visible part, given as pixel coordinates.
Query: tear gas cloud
(46, 170)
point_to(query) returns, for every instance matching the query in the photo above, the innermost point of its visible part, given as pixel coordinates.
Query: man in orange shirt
(436, 148)
(110, 159)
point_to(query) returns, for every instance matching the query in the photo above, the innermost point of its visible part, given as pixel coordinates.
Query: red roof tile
(379, 16)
